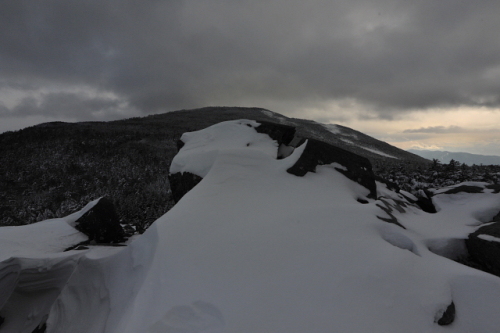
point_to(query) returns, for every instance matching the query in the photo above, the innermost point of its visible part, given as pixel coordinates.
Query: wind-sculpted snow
(202, 147)
(252, 248)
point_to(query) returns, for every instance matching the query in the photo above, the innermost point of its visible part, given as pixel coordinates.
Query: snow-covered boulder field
(256, 247)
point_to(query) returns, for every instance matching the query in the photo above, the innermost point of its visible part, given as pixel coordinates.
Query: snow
(333, 128)
(408, 195)
(348, 141)
(202, 147)
(276, 116)
(489, 238)
(343, 136)
(42, 238)
(34, 269)
(470, 183)
(253, 248)
(378, 152)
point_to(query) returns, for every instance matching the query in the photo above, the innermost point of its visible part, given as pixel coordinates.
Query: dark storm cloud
(163, 55)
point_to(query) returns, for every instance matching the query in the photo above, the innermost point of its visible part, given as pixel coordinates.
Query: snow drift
(252, 248)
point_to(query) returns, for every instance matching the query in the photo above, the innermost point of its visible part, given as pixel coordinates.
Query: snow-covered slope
(357, 139)
(253, 248)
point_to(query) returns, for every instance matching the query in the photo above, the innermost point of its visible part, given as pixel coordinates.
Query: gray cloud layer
(157, 55)
(437, 130)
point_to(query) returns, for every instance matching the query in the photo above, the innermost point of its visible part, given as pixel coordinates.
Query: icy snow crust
(254, 249)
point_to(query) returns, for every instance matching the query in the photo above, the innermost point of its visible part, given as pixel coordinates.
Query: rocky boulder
(425, 202)
(101, 223)
(283, 134)
(181, 183)
(356, 168)
(483, 246)
(448, 316)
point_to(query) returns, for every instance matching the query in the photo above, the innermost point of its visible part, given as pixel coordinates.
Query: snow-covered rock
(101, 223)
(354, 167)
(198, 150)
(253, 248)
(483, 246)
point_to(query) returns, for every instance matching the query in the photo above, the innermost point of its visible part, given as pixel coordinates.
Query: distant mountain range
(446, 157)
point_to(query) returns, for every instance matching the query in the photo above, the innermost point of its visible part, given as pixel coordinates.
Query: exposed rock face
(483, 246)
(494, 187)
(425, 202)
(42, 328)
(101, 223)
(283, 134)
(496, 218)
(448, 316)
(181, 183)
(180, 144)
(466, 189)
(426, 205)
(317, 153)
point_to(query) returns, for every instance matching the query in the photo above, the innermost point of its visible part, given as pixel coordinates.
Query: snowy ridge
(280, 118)
(253, 248)
(202, 147)
(352, 139)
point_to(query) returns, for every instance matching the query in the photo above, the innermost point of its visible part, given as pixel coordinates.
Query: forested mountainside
(54, 169)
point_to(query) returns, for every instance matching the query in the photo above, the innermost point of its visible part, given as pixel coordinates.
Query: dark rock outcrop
(494, 187)
(357, 168)
(101, 223)
(496, 218)
(181, 183)
(42, 328)
(448, 316)
(425, 203)
(485, 254)
(283, 134)
(180, 144)
(465, 188)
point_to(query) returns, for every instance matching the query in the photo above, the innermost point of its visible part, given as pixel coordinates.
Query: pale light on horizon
(466, 129)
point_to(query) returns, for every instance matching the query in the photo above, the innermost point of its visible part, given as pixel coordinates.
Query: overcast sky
(420, 73)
